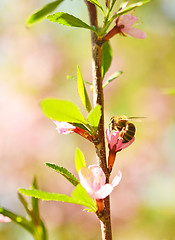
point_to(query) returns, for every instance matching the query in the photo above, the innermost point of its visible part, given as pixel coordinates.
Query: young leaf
(82, 91)
(112, 77)
(46, 196)
(64, 172)
(112, 5)
(69, 20)
(79, 125)
(41, 13)
(79, 193)
(128, 9)
(62, 110)
(71, 77)
(123, 4)
(132, 6)
(94, 116)
(79, 160)
(106, 58)
(17, 219)
(95, 2)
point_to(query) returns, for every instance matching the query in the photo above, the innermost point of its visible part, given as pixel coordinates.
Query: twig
(98, 97)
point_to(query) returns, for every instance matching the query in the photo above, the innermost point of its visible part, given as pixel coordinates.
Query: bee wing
(136, 119)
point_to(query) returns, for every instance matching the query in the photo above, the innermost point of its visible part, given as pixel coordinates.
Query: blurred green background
(34, 64)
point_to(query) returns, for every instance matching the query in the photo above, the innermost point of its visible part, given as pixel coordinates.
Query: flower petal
(4, 219)
(121, 145)
(112, 137)
(117, 179)
(103, 192)
(99, 178)
(64, 127)
(135, 32)
(108, 135)
(86, 179)
(128, 20)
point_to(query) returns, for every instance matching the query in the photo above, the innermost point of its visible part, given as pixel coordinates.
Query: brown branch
(99, 98)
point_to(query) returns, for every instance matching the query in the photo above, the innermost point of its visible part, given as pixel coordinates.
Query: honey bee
(123, 124)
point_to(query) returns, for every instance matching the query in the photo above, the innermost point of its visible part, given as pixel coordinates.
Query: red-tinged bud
(64, 127)
(100, 205)
(83, 133)
(67, 128)
(111, 159)
(116, 29)
(115, 144)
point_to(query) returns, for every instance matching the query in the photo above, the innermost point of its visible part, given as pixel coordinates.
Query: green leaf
(79, 193)
(46, 196)
(79, 160)
(62, 110)
(82, 91)
(106, 58)
(112, 5)
(69, 20)
(129, 8)
(17, 219)
(41, 13)
(123, 4)
(89, 210)
(65, 173)
(84, 127)
(132, 6)
(95, 2)
(112, 77)
(74, 78)
(94, 116)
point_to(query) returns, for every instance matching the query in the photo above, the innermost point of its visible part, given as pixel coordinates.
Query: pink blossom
(115, 141)
(93, 179)
(4, 219)
(64, 127)
(125, 24)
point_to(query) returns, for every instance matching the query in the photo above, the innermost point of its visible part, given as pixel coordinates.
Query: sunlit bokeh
(34, 64)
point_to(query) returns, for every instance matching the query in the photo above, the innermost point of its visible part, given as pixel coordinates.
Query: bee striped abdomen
(129, 132)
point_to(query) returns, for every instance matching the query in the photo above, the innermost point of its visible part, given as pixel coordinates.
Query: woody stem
(98, 98)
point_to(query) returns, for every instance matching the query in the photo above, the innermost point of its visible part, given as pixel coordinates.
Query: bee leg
(122, 132)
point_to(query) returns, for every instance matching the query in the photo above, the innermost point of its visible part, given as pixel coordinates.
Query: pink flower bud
(115, 145)
(93, 179)
(115, 141)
